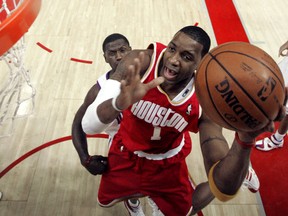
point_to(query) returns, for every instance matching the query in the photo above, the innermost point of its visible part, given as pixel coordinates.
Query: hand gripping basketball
(240, 87)
(270, 127)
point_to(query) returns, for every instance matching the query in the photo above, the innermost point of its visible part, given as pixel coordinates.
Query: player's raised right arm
(227, 167)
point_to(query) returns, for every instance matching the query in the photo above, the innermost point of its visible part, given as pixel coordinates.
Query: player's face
(181, 58)
(115, 51)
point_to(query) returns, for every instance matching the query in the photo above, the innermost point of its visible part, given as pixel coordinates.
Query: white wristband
(91, 123)
(110, 90)
(114, 104)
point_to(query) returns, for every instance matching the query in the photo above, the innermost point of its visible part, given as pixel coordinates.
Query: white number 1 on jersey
(156, 133)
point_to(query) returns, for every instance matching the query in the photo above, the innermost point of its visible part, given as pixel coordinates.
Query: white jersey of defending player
(112, 129)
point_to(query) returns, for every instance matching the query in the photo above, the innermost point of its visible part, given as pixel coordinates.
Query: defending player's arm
(122, 90)
(94, 164)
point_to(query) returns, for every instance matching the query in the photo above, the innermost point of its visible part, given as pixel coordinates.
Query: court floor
(52, 181)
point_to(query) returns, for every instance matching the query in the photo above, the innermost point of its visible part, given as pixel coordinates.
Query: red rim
(15, 26)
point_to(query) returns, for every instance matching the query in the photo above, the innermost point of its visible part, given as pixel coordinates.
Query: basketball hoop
(16, 17)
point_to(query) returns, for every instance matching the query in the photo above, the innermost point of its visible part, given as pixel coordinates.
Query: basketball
(239, 86)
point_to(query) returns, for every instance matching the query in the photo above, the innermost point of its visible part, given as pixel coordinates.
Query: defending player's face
(180, 59)
(115, 51)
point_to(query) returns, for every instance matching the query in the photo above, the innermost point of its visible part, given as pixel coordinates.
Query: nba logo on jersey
(189, 109)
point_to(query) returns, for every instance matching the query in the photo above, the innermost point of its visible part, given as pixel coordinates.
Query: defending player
(115, 47)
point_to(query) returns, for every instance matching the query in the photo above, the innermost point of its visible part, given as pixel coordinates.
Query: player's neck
(172, 90)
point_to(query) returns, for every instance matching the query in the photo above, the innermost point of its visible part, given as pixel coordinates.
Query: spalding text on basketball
(232, 101)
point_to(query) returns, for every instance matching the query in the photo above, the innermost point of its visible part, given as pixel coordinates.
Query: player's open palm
(132, 89)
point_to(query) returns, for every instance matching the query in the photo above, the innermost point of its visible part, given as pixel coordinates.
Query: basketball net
(17, 94)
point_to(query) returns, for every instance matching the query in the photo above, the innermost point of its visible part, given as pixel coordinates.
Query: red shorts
(168, 184)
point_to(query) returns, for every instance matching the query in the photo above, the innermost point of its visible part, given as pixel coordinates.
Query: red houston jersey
(155, 124)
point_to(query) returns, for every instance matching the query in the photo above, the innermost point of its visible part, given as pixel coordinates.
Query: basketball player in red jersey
(154, 89)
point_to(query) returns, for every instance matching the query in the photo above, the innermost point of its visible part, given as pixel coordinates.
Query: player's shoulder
(93, 91)
(136, 52)
(129, 59)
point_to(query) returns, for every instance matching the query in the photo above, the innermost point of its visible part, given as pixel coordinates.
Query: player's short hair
(199, 35)
(113, 37)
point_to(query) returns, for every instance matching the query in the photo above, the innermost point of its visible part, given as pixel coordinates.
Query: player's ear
(105, 58)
